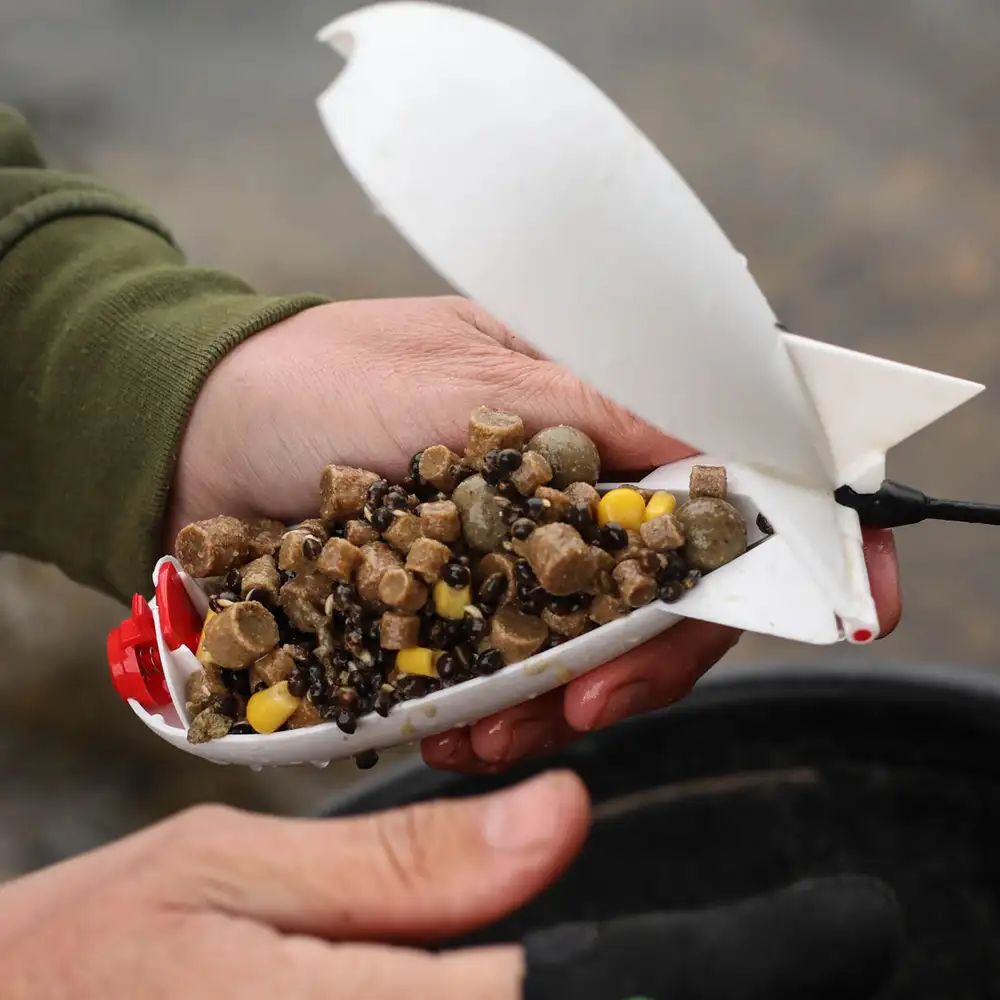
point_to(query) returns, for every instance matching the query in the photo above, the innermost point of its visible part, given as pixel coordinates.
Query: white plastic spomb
(523, 185)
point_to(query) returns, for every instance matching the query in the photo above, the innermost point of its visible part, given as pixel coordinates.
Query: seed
(346, 721)
(672, 591)
(317, 691)
(237, 681)
(493, 588)
(508, 490)
(523, 573)
(298, 684)
(491, 471)
(220, 602)
(241, 729)
(764, 525)
(613, 537)
(367, 760)
(508, 460)
(382, 519)
(312, 547)
(489, 662)
(535, 507)
(377, 492)
(383, 702)
(447, 666)
(673, 568)
(522, 529)
(691, 579)
(512, 512)
(578, 516)
(456, 575)
(225, 705)
(286, 575)
(346, 698)
(395, 501)
(414, 469)
(232, 581)
(476, 628)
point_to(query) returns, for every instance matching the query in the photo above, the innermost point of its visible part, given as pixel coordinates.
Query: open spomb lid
(525, 187)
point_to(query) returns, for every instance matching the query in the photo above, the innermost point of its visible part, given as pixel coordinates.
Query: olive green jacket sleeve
(106, 338)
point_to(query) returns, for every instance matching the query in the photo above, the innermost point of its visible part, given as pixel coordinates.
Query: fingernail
(628, 700)
(522, 817)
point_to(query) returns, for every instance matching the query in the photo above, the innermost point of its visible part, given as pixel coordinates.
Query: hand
(216, 904)
(371, 383)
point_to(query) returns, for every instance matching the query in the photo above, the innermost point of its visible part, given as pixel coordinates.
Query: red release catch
(179, 621)
(136, 671)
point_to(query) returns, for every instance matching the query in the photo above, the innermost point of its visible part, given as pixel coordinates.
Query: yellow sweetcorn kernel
(270, 709)
(417, 660)
(622, 506)
(660, 503)
(203, 658)
(451, 602)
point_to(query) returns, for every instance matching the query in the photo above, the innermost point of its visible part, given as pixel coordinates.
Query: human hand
(217, 904)
(220, 905)
(371, 383)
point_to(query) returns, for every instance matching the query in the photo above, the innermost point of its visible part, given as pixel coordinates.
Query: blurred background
(851, 150)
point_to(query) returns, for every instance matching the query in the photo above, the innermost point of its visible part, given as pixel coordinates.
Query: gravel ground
(851, 150)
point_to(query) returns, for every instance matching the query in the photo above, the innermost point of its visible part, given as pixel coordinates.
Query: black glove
(830, 939)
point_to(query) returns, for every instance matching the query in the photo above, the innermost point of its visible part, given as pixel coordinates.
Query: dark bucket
(762, 777)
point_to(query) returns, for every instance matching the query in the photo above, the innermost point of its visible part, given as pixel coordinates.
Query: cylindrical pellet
(240, 634)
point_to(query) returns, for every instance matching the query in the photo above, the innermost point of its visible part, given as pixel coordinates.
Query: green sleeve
(106, 338)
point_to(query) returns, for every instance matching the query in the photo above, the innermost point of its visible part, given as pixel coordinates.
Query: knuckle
(197, 828)
(405, 838)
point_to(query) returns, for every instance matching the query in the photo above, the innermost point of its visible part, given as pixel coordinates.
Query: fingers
(652, 676)
(378, 972)
(883, 575)
(428, 871)
(655, 675)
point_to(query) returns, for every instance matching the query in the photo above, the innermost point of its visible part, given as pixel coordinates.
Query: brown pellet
(261, 574)
(339, 559)
(303, 600)
(561, 559)
(398, 630)
(489, 429)
(440, 467)
(517, 636)
(557, 504)
(708, 481)
(439, 520)
(265, 536)
(240, 634)
(402, 590)
(344, 492)
(662, 533)
(376, 560)
(584, 493)
(427, 557)
(360, 533)
(403, 532)
(635, 587)
(300, 547)
(533, 472)
(271, 668)
(567, 623)
(212, 547)
(607, 608)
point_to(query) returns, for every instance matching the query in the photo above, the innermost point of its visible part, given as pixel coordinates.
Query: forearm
(107, 337)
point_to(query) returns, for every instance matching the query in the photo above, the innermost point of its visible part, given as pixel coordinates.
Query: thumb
(424, 872)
